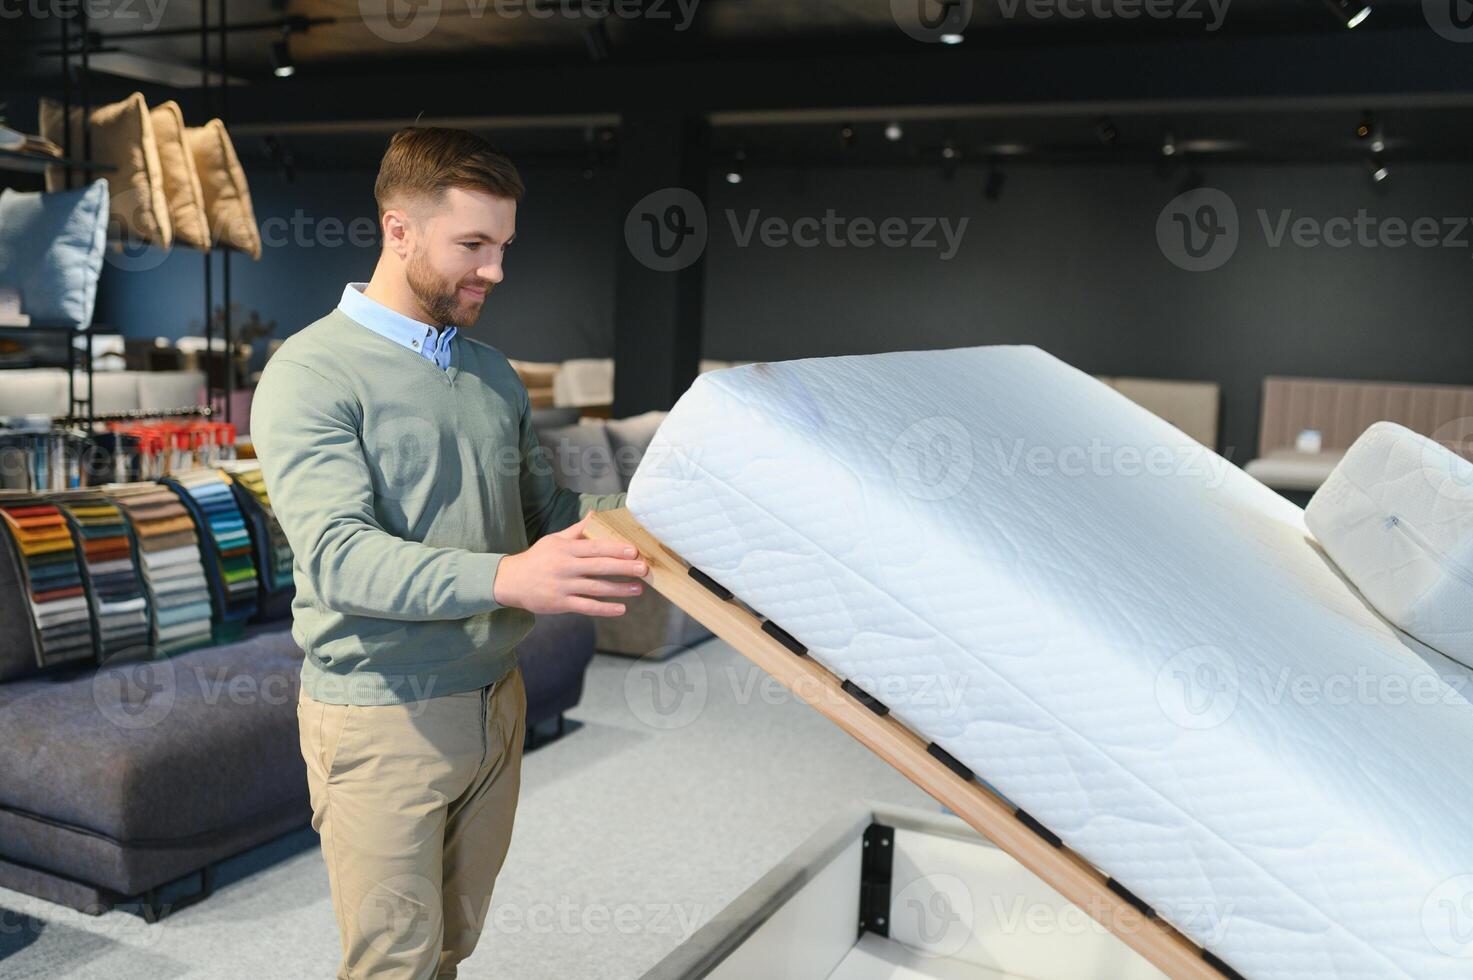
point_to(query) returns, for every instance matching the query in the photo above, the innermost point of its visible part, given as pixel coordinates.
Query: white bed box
(893, 893)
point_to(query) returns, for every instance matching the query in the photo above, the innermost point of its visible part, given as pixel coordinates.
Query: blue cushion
(51, 249)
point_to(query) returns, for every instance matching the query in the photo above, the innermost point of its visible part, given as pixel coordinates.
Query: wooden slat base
(989, 814)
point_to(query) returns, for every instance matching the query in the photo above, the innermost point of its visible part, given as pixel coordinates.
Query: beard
(439, 297)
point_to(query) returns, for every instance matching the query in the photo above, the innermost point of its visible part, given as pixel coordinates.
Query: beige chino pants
(414, 803)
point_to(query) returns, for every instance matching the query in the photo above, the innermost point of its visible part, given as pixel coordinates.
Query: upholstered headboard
(1342, 410)
(1191, 406)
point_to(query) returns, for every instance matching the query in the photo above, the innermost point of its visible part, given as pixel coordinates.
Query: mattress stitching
(1075, 734)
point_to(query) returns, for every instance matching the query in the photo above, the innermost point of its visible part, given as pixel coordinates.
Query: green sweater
(400, 488)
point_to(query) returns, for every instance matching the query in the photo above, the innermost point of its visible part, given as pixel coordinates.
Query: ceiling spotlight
(735, 172)
(846, 135)
(950, 158)
(1370, 130)
(893, 132)
(1168, 144)
(1106, 131)
(282, 65)
(1351, 13)
(951, 38)
(1377, 168)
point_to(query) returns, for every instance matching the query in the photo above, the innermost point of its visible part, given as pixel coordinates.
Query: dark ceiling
(1035, 80)
(391, 34)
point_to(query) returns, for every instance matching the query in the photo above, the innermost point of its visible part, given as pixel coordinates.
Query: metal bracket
(875, 870)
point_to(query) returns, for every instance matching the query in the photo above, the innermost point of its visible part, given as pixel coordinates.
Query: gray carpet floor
(680, 785)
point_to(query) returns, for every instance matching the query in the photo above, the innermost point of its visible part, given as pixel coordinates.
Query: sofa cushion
(227, 196)
(38, 391)
(553, 658)
(122, 135)
(581, 458)
(630, 438)
(185, 196)
(159, 750)
(51, 248)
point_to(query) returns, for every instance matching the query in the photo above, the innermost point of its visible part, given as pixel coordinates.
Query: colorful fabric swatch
(110, 570)
(230, 567)
(172, 564)
(60, 615)
(273, 553)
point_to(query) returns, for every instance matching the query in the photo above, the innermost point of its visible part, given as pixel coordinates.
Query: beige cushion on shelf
(181, 181)
(535, 374)
(584, 381)
(1287, 469)
(227, 196)
(122, 136)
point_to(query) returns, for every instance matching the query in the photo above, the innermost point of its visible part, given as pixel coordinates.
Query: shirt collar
(419, 337)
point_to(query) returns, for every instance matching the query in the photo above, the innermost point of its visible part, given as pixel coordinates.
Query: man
(427, 532)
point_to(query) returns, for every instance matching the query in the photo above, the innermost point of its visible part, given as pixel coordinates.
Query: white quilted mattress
(1128, 637)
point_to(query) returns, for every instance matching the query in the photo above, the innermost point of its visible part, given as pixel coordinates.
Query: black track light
(736, 172)
(282, 65)
(596, 40)
(992, 184)
(1351, 13)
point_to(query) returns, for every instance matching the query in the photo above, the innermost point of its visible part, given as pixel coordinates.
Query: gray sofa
(115, 781)
(592, 455)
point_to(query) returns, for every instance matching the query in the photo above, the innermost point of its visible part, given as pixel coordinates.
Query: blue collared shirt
(419, 337)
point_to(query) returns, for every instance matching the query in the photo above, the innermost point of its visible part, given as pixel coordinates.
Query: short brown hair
(425, 161)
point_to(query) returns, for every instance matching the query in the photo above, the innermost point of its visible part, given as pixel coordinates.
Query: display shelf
(38, 162)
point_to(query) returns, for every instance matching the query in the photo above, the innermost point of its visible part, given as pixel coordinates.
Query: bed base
(928, 766)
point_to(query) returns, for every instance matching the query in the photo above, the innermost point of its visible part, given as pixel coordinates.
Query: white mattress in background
(1128, 637)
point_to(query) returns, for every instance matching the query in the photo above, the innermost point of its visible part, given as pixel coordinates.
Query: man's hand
(556, 574)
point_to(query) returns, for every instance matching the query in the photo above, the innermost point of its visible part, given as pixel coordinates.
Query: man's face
(456, 251)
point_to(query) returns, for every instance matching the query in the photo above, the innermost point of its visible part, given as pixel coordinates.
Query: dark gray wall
(1067, 259)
